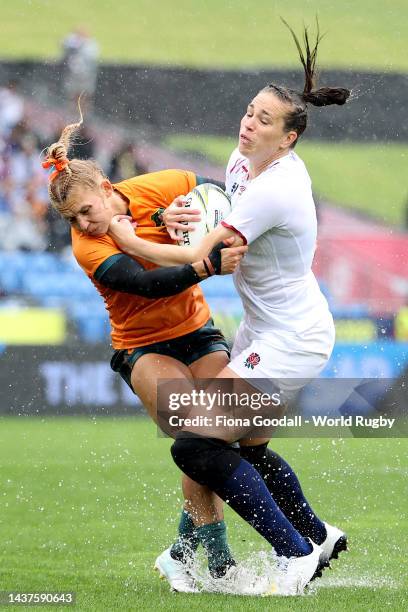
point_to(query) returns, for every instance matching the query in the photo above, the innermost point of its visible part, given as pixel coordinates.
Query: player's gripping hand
(225, 260)
(122, 230)
(173, 216)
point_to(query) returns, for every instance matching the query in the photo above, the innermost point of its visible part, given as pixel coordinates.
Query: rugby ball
(214, 206)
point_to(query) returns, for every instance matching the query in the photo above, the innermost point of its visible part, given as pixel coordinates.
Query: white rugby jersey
(275, 214)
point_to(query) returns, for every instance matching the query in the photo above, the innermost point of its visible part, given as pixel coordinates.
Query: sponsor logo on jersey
(157, 217)
(252, 360)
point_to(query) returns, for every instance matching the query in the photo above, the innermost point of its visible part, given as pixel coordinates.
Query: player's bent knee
(206, 460)
(254, 454)
(257, 455)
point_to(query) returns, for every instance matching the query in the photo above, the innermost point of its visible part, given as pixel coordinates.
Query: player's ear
(106, 187)
(289, 139)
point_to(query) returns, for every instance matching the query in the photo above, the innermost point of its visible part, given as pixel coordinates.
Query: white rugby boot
(238, 580)
(176, 573)
(334, 544)
(294, 574)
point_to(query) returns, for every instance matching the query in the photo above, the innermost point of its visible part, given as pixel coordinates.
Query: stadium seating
(65, 285)
(352, 311)
(219, 286)
(53, 280)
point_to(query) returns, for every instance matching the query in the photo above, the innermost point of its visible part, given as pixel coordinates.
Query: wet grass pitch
(87, 505)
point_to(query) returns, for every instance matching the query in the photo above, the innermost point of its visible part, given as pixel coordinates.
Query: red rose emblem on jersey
(252, 360)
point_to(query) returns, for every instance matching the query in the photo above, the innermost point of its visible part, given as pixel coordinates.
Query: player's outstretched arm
(122, 273)
(121, 230)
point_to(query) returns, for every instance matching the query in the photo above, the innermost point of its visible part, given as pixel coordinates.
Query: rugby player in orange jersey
(161, 325)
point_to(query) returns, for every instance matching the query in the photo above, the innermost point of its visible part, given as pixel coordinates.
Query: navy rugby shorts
(187, 349)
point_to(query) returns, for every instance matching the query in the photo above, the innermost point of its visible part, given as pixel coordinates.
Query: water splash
(256, 575)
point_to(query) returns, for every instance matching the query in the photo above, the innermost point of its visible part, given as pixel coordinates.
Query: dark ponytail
(319, 97)
(327, 96)
(296, 117)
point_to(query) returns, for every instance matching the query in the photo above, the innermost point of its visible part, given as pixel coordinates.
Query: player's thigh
(242, 387)
(210, 365)
(148, 370)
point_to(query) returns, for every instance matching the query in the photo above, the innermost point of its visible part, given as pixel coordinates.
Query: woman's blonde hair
(69, 174)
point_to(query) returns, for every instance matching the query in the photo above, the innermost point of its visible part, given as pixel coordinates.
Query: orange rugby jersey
(138, 321)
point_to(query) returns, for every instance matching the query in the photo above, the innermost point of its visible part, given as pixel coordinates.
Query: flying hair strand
(308, 62)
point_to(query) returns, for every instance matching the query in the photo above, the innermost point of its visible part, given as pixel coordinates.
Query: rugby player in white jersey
(287, 333)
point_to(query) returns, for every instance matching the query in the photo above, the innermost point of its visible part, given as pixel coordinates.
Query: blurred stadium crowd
(23, 185)
(26, 220)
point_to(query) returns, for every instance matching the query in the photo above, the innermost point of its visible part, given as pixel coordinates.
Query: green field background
(236, 34)
(225, 33)
(88, 504)
(364, 177)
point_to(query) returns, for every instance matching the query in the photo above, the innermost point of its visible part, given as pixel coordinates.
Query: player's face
(262, 134)
(90, 213)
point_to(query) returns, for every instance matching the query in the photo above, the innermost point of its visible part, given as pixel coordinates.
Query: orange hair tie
(59, 165)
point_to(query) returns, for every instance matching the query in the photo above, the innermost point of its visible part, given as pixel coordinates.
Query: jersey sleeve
(122, 273)
(259, 209)
(90, 252)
